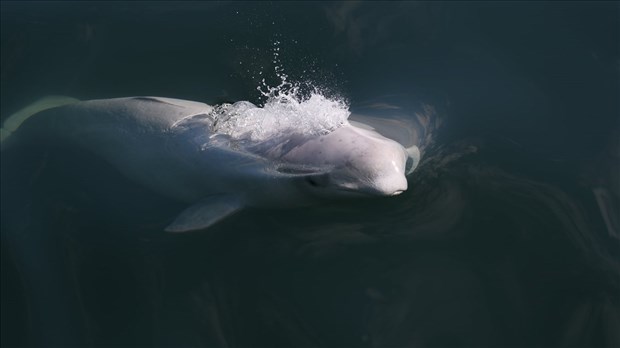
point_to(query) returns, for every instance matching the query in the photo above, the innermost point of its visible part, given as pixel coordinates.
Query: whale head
(358, 162)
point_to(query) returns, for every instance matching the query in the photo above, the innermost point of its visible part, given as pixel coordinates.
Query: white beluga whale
(188, 152)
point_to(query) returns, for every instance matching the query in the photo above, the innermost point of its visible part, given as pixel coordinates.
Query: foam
(284, 111)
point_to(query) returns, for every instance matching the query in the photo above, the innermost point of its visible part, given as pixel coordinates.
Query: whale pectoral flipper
(15, 120)
(206, 213)
(413, 154)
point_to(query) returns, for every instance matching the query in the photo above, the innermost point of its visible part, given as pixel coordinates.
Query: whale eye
(312, 181)
(317, 180)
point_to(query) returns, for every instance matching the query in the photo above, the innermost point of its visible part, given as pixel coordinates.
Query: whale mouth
(368, 192)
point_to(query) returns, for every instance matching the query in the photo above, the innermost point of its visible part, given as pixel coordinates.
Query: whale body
(169, 146)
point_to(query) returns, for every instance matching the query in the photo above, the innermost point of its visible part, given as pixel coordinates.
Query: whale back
(107, 120)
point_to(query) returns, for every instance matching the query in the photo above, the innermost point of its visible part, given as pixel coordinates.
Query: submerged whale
(171, 146)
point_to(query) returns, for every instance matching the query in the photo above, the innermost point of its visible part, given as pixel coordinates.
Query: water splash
(313, 116)
(290, 107)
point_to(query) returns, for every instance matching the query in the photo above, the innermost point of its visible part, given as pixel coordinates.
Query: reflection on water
(507, 235)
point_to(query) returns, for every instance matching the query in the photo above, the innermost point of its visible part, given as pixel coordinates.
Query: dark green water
(507, 236)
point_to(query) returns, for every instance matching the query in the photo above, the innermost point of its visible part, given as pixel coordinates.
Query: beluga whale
(221, 159)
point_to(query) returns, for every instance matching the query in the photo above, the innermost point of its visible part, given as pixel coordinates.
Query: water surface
(508, 234)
